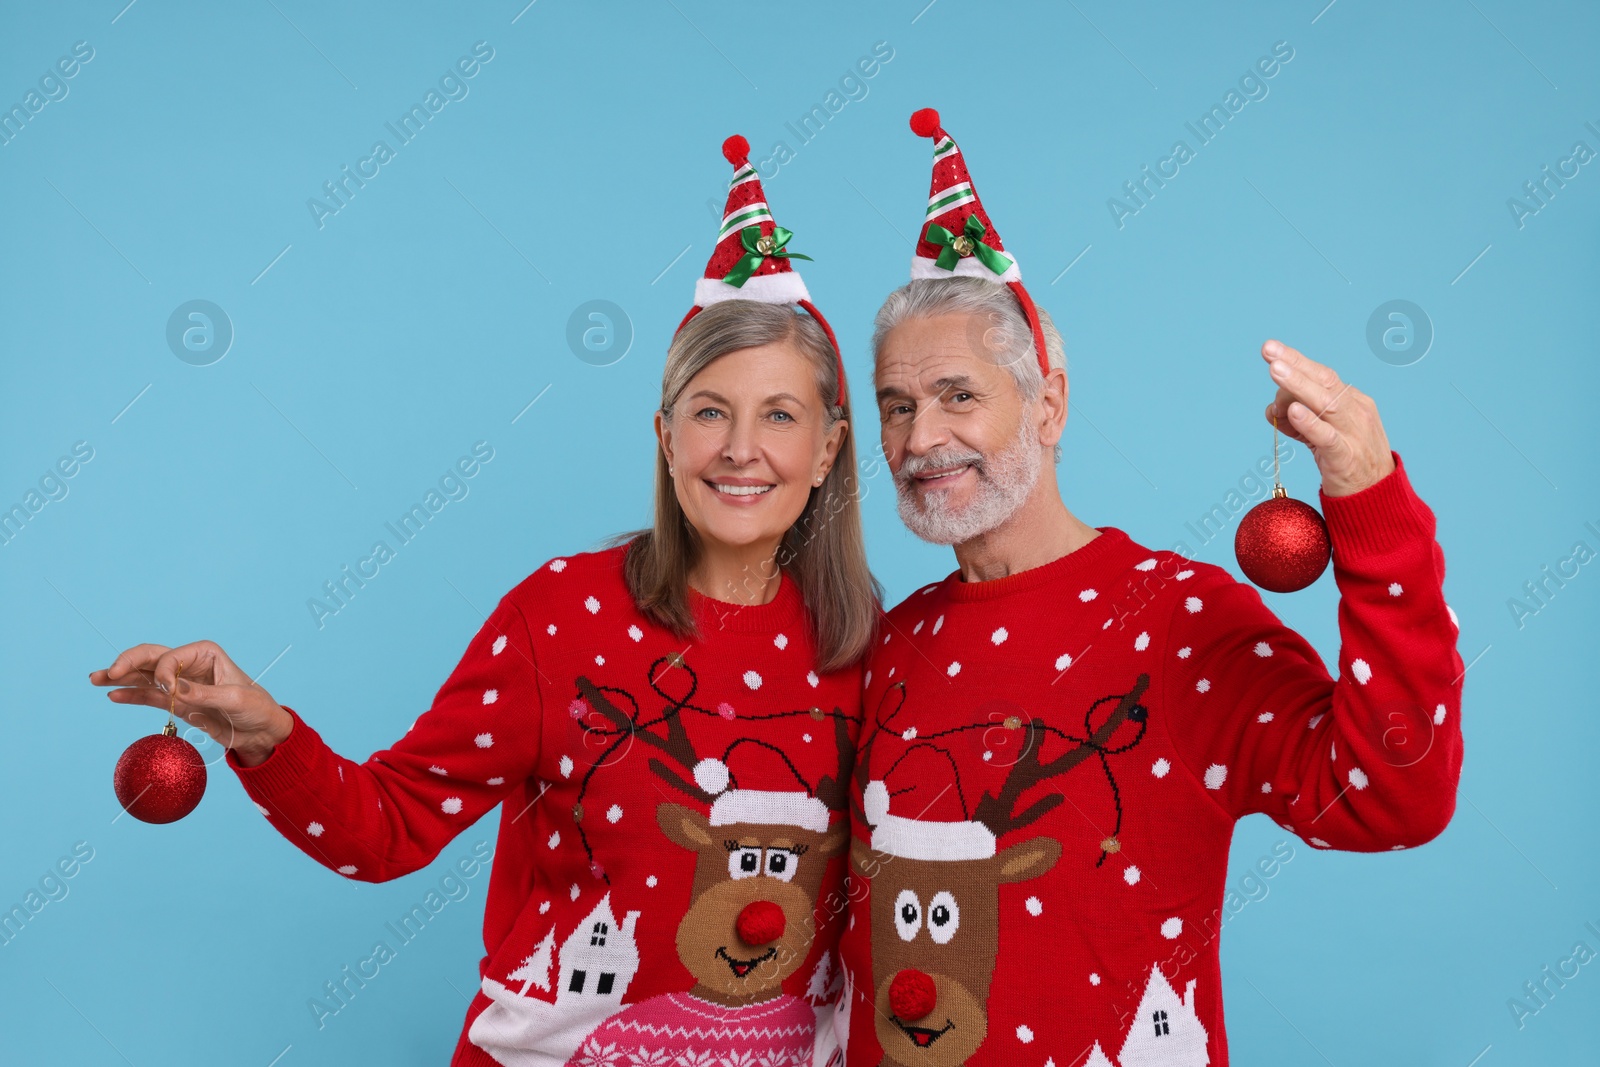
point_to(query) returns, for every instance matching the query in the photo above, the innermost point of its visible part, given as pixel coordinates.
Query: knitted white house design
(599, 958)
(598, 961)
(1165, 1031)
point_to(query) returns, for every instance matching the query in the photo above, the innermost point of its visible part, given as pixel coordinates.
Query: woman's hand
(212, 693)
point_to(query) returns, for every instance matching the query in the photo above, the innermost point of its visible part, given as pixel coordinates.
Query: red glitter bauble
(1282, 544)
(159, 778)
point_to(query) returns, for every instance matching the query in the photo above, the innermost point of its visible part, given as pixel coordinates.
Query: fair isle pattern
(953, 197)
(594, 1054)
(682, 1029)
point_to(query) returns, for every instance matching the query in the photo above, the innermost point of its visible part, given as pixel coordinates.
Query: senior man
(1063, 732)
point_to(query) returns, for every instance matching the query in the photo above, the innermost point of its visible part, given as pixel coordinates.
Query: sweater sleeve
(1366, 763)
(392, 815)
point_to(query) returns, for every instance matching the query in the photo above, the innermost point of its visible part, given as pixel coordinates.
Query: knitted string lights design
(1095, 741)
(617, 728)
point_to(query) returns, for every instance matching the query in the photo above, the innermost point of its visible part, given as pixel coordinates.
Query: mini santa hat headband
(957, 237)
(749, 260)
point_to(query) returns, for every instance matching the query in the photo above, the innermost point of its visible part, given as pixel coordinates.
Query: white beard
(1004, 481)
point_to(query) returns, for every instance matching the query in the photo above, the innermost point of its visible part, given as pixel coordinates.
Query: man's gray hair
(1003, 329)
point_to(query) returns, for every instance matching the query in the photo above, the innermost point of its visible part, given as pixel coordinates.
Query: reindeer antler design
(998, 812)
(678, 759)
(834, 790)
(675, 745)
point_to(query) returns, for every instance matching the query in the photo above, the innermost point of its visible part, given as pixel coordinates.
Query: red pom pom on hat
(736, 150)
(925, 122)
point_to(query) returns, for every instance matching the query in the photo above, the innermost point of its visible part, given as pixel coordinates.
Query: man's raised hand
(1337, 421)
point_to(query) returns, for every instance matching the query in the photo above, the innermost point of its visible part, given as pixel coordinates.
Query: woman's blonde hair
(823, 552)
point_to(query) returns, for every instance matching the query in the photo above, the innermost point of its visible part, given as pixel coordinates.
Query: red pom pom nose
(912, 995)
(925, 123)
(761, 922)
(736, 150)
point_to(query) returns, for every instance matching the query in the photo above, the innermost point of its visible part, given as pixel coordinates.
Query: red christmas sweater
(1053, 762)
(670, 857)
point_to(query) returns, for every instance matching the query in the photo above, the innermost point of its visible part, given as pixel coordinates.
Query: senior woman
(670, 720)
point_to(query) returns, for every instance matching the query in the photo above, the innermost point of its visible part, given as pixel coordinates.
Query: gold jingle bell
(765, 244)
(1110, 845)
(962, 244)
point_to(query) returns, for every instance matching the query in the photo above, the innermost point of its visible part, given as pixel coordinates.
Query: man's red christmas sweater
(1052, 764)
(673, 812)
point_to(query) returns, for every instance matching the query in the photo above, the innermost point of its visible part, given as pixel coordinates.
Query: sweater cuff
(1377, 519)
(290, 767)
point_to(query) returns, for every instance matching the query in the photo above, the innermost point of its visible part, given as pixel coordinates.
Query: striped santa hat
(957, 237)
(750, 260)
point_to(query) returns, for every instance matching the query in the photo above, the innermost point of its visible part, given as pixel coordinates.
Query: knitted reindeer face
(741, 870)
(935, 904)
(939, 918)
(760, 855)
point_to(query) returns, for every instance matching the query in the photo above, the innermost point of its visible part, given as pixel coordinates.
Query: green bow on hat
(758, 247)
(969, 242)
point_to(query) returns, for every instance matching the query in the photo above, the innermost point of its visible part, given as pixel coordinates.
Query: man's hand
(1338, 422)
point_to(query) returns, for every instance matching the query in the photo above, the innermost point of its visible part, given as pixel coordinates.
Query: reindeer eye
(744, 862)
(944, 916)
(780, 864)
(907, 914)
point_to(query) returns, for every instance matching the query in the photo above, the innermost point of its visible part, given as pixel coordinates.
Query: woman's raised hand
(211, 693)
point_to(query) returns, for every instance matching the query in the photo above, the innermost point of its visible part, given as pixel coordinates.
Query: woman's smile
(740, 492)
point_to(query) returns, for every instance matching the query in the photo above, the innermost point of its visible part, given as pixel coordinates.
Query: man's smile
(938, 479)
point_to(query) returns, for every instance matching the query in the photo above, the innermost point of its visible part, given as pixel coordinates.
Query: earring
(670, 471)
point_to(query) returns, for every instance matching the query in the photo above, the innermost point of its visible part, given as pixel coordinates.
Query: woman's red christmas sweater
(670, 857)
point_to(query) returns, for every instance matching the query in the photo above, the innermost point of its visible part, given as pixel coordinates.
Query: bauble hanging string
(162, 777)
(1282, 544)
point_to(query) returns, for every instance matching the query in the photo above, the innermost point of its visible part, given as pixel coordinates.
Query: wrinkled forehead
(917, 360)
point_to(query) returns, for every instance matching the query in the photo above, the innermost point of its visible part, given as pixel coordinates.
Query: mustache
(950, 457)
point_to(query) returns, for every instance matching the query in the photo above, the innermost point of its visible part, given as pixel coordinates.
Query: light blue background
(429, 312)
